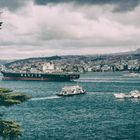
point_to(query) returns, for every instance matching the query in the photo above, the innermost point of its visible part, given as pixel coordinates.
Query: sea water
(98, 115)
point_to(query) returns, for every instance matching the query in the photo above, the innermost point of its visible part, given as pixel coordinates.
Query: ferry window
(39, 75)
(29, 75)
(21, 74)
(25, 75)
(32, 75)
(36, 75)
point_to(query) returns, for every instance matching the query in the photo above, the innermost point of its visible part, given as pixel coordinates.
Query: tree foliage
(9, 130)
(5, 90)
(7, 99)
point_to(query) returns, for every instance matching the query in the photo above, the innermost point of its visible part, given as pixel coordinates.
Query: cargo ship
(48, 74)
(40, 76)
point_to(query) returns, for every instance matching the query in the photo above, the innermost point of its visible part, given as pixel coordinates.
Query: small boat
(71, 90)
(120, 95)
(135, 75)
(132, 94)
(135, 94)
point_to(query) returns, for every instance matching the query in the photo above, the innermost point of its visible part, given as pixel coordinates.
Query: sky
(37, 28)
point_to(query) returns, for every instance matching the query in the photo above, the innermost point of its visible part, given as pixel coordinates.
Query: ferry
(71, 90)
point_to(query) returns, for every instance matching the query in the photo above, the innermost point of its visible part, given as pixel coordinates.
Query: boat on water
(71, 90)
(132, 74)
(120, 95)
(48, 73)
(135, 94)
(27, 76)
(132, 94)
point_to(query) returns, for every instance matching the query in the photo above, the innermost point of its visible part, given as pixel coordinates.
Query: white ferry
(71, 90)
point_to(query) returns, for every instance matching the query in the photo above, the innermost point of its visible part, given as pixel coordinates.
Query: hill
(81, 63)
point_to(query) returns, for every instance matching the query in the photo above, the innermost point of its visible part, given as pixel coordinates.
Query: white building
(48, 67)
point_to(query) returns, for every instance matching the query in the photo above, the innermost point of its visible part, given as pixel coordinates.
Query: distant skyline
(37, 28)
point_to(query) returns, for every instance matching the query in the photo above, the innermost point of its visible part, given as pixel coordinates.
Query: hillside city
(77, 63)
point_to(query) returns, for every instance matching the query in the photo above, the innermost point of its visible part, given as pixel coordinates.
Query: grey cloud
(54, 34)
(12, 5)
(120, 5)
(43, 2)
(126, 5)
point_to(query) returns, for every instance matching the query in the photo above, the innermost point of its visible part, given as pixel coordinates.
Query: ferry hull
(70, 94)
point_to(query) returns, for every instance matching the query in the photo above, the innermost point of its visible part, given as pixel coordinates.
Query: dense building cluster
(103, 63)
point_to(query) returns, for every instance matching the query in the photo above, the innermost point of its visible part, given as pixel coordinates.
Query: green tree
(10, 130)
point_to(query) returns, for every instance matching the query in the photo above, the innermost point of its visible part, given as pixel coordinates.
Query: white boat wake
(44, 98)
(106, 81)
(99, 93)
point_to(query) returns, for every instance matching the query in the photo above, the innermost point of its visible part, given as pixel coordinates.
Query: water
(96, 115)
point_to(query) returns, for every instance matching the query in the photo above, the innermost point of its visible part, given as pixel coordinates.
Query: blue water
(94, 116)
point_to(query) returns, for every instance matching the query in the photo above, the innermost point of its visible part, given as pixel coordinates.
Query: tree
(10, 130)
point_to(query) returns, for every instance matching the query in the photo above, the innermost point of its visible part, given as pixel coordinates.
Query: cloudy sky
(62, 27)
